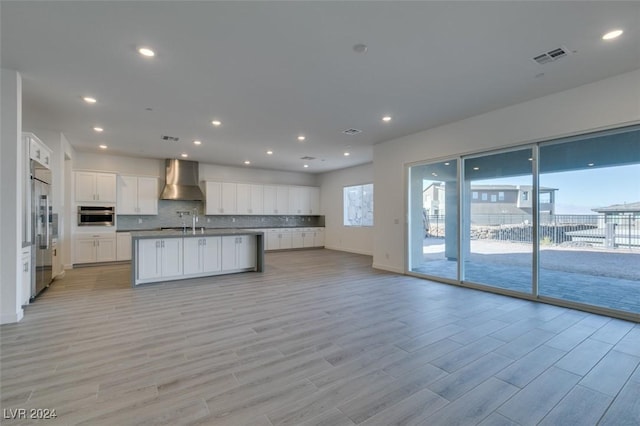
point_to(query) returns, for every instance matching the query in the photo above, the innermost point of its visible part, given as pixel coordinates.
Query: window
(501, 196)
(358, 205)
(525, 195)
(474, 195)
(484, 196)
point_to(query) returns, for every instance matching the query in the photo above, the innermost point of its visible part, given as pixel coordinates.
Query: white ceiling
(273, 70)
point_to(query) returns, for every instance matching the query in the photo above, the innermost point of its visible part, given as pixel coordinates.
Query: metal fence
(577, 230)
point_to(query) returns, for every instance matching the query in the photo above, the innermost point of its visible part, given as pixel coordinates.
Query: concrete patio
(599, 277)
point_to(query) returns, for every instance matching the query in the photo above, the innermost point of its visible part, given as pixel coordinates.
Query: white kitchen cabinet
(318, 237)
(159, 258)
(221, 198)
(313, 237)
(275, 199)
(202, 255)
(238, 252)
(297, 238)
(26, 276)
(95, 186)
(137, 195)
(298, 199)
(123, 246)
(314, 200)
(304, 200)
(38, 151)
(249, 199)
(278, 239)
(92, 248)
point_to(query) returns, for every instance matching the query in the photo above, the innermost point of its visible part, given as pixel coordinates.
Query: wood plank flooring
(319, 338)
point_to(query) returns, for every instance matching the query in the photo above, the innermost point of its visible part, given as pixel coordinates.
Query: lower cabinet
(160, 258)
(278, 239)
(238, 252)
(93, 248)
(202, 255)
(198, 256)
(26, 276)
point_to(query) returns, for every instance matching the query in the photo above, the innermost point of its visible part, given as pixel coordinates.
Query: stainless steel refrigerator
(41, 229)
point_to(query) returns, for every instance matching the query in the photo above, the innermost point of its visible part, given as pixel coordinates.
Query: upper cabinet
(95, 186)
(137, 195)
(221, 198)
(38, 151)
(276, 199)
(249, 199)
(304, 200)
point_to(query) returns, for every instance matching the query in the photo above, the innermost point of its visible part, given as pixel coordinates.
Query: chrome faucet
(194, 220)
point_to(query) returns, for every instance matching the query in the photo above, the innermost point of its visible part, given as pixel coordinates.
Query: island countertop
(200, 232)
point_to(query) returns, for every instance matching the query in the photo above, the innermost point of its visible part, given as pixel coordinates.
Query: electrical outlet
(233, 219)
(139, 220)
(208, 220)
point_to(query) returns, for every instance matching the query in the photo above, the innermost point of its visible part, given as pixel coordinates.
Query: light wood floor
(318, 339)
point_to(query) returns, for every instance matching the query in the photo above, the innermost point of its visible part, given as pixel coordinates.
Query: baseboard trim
(348, 250)
(387, 268)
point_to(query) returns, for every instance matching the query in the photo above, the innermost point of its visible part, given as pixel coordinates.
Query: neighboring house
(622, 214)
(489, 202)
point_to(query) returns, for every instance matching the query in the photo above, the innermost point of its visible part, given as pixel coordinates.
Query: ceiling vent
(306, 157)
(352, 131)
(552, 55)
(169, 138)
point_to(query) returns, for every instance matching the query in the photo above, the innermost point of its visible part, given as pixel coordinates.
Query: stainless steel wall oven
(96, 215)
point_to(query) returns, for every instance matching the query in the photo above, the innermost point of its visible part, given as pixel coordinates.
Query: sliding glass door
(590, 243)
(557, 220)
(497, 220)
(433, 219)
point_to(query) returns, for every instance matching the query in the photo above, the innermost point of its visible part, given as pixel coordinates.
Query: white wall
(104, 162)
(608, 103)
(11, 171)
(154, 167)
(338, 236)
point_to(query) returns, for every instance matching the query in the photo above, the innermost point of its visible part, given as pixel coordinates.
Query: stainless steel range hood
(181, 181)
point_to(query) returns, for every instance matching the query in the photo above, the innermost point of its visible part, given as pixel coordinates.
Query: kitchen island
(169, 255)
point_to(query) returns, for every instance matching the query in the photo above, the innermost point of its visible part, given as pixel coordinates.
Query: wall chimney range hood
(182, 182)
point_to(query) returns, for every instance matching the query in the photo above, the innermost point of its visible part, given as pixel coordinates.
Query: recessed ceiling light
(301, 138)
(434, 174)
(530, 159)
(360, 48)
(346, 154)
(102, 146)
(476, 168)
(216, 123)
(145, 51)
(197, 142)
(269, 152)
(89, 100)
(612, 35)
(446, 164)
(306, 166)
(247, 162)
(590, 164)
(386, 118)
(184, 155)
(98, 129)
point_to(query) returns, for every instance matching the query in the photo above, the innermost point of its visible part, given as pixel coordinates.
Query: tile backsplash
(168, 217)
